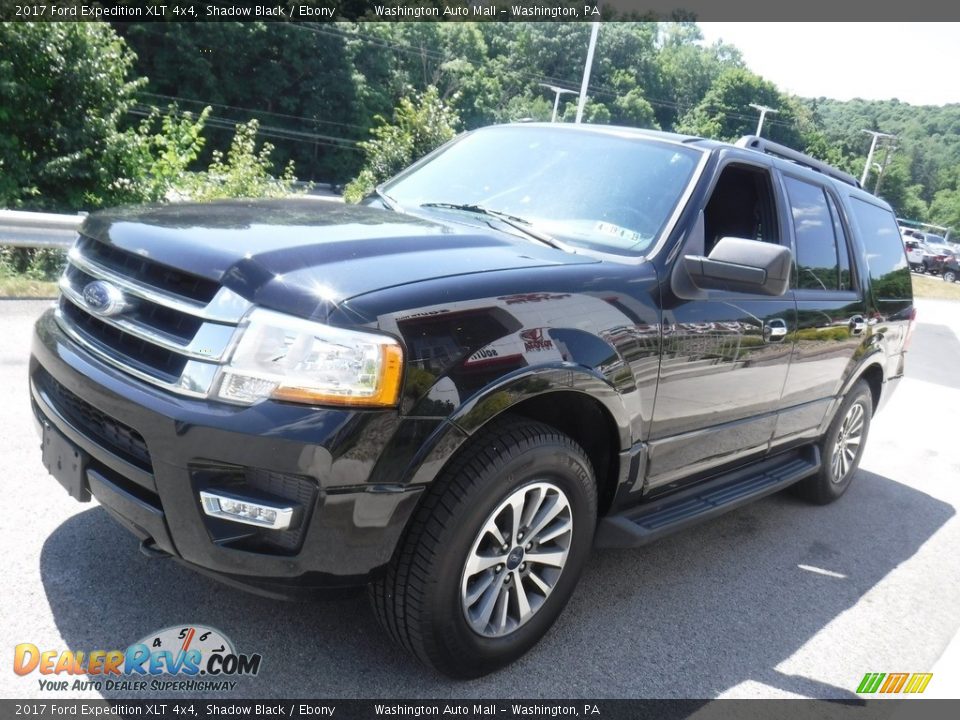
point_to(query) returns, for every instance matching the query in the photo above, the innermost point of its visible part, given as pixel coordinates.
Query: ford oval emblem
(104, 299)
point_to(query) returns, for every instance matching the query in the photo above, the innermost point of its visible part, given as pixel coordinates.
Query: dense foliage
(65, 91)
(420, 124)
(922, 179)
(319, 90)
(321, 93)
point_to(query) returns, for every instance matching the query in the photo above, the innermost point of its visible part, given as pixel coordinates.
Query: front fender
(507, 393)
(531, 382)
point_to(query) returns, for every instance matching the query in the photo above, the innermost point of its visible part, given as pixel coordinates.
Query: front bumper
(150, 453)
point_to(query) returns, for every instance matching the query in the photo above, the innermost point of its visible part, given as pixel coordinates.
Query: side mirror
(741, 265)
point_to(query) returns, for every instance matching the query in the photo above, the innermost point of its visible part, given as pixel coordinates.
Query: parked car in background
(936, 257)
(916, 254)
(951, 269)
(926, 258)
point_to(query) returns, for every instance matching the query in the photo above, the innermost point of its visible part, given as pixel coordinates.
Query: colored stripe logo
(891, 683)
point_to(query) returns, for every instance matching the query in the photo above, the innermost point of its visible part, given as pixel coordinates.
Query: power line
(252, 110)
(441, 57)
(264, 130)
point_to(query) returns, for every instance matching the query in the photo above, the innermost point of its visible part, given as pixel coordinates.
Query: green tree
(896, 189)
(420, 124)
(300, 81)
(593, 112)
(724, 113)
(151, 161)
(243, 172)
(945, 209)
(632, 109)
(687, 69)
(64, 91)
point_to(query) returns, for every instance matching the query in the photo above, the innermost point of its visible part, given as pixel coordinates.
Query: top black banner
(856, 12)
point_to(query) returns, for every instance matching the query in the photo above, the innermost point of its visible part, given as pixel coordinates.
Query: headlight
(286, 358)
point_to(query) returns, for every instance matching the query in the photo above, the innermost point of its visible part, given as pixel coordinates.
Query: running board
(657, 518)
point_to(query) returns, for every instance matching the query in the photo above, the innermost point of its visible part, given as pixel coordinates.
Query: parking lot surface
(778, 599)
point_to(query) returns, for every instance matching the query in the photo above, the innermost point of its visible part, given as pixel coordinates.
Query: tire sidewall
(860, 393)
(554, 462)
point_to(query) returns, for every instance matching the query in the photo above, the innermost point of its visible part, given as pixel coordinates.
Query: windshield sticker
(619, 232)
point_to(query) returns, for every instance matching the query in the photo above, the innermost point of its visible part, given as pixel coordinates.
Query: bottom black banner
(180, 709)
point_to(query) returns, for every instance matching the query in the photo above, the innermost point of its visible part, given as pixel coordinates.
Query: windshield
(594, 190)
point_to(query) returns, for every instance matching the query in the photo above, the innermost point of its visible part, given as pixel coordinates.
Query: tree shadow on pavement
(689, 616)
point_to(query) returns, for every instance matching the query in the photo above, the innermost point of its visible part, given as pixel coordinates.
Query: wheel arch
(574, 400)
(873, 375)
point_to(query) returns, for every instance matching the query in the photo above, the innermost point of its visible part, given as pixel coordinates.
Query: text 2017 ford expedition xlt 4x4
(537, 339)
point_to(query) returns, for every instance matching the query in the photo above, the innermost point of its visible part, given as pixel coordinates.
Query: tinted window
(818, 266)
(885, 255)
(843, 247)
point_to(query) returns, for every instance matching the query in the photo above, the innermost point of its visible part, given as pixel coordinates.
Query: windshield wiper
(518, 223)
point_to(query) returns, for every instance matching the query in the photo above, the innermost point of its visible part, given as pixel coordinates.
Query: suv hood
(306, 256)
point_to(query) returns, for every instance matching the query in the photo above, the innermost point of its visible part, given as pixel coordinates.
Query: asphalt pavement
(778, 599)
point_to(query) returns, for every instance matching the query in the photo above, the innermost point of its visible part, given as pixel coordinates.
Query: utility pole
(886, 161)
(763, 113)
(556, 98)
(873, 146)
(586, 71)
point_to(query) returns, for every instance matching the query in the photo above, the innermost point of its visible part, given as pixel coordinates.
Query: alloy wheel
(848, 442)
(516, 559)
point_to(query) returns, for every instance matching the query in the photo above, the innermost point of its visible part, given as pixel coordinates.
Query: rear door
(831, 310)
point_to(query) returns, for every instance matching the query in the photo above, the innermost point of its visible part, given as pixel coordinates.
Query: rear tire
(949, 276)
(841, 448)
(493, 552)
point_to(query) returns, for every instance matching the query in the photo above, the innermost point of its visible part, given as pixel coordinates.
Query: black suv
(538, 339)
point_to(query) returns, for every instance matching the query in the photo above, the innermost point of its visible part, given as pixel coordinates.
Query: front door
(725, 354)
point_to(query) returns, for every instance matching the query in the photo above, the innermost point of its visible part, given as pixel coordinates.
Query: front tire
(949, 276)
(841, 448)
(494, 551)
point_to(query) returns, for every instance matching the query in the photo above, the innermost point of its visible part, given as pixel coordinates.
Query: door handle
(857, 324)
(774, 330)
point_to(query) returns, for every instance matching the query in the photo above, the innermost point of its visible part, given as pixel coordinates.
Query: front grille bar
(185, 362)
(195, 380)
(225, 307)
(209, 343)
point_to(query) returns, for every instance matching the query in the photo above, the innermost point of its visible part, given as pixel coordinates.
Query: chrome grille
(174, 330)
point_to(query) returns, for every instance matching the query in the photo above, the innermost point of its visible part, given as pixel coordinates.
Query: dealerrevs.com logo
(200, 658)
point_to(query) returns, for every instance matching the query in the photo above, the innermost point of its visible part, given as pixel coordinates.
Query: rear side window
(885, 255)
(818, 262)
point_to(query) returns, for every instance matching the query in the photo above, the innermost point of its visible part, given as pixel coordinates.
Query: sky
(917, 63)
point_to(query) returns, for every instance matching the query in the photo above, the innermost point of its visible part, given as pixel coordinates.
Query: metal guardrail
(38, 230)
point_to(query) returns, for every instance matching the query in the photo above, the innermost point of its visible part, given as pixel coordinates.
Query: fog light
(248, 511)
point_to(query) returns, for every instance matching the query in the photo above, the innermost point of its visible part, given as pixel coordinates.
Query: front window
(601, 191)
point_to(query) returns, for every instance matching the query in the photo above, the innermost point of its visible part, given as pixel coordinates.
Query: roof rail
(759, 144)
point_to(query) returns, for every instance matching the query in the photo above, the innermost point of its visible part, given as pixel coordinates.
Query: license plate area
(66, 462)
